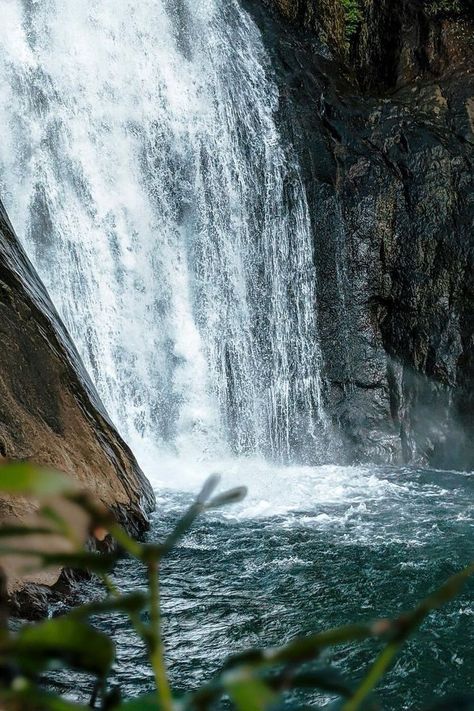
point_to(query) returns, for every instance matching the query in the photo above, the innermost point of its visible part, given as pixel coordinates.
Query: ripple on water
(317, 548)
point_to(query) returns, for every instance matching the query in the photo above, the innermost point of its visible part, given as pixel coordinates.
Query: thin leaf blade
(64, 641)
(25, 479)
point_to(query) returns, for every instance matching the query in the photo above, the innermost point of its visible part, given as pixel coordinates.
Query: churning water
(142, 166)
(309, 551)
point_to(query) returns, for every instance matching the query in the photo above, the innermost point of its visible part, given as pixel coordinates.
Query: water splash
(142, 165)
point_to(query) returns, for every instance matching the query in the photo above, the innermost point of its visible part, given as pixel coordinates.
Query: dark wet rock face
(386, 145)
(410, 40)
(50, 412)
(323, 18)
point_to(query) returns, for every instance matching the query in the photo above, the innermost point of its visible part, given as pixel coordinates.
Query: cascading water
(142, 165)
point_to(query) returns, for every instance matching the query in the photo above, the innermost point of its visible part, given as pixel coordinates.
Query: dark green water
(369, 543)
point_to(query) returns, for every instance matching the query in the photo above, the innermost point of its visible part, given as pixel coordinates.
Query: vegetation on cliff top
(353, 16)
(354, 11)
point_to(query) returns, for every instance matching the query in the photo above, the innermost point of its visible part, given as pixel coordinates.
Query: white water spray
(142, 166)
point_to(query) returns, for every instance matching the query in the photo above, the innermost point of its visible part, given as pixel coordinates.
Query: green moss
(432, 8)
(435, 8)
(353, 16)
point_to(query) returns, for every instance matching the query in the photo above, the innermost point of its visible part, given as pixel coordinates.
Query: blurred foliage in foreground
(256, 680)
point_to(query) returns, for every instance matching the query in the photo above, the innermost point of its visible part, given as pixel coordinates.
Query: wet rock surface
(387, 154)
(51, 414)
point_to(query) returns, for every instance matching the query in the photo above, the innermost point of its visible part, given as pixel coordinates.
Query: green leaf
(55, 703)
(249, 694)
(232, 496)
(26, 479)
(307, 648)
(400, 629)
(187, 520)
(32, 699)
(62, 640)
(132, 603)
(324, 678)
(208, 488)
(301, 649)
(83, 560)
(93, 562)
(20, 531)
(142, 703)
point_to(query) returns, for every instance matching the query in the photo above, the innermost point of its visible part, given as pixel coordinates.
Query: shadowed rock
(384, 132)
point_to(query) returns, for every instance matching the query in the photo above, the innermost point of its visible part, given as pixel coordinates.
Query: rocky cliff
(50, 412)
(383, 121)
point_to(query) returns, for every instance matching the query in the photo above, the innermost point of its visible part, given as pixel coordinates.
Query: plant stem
(127, 543)
(375, 673)
(109, 585)
(157, 657)
(406, 625)
(134, 618)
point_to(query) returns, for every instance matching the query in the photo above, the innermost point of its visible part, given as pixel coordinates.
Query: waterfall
(142, 166)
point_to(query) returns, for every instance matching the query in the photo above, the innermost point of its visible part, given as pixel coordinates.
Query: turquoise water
(378, 542)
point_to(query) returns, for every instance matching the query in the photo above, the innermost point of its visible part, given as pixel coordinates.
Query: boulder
(51, 414)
